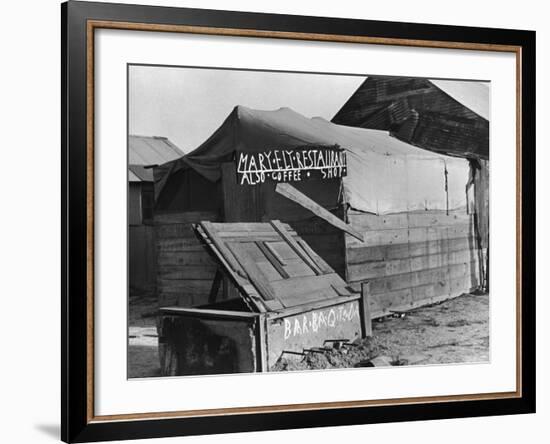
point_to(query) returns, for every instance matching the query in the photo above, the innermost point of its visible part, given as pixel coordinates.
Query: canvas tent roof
(385, 175)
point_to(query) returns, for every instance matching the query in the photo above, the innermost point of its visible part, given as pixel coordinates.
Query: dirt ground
(143, 359)
(455, 331)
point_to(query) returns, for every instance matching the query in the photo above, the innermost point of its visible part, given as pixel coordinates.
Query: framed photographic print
(276, 221)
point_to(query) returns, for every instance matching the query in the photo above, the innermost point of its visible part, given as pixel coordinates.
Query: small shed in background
(143, 154)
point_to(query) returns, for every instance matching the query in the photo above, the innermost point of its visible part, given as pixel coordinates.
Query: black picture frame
(77, 424)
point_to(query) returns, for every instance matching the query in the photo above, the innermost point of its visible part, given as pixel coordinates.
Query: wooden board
(374, 269)
(287, 190)
(184, 267)
(372, 222)
(404, 235)
(361, 255)
(283, 272)
(412, 258)
(185, 218)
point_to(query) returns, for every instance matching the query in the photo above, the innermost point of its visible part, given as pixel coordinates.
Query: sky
(187, 105)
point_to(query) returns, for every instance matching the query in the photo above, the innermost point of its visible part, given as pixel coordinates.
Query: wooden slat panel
(404, 235)
(177, 298)
(297, 248)
(297, 268)
(321, 294)
(294, 288)
(269, 271)
(246, 227)
(250, 235)
(174, 231)
(255, 275)
(375, 269)
(232, 267)
(409, 298)
(435, 233)
(274, 258)
(192, 287)
(179, 245)
(188, 272)
(274, 252)
(372, 222)
(381, 304)
(222, 248)
(417, 278)
(186, 217)
(184, 259)
(363, 254)
(432, 290)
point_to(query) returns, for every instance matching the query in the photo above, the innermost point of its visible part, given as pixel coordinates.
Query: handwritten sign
(322, 319)
(291, 165)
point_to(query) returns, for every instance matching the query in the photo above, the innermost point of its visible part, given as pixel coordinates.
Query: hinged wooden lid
(271, 265)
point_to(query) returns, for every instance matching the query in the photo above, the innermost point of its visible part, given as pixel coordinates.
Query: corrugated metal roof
(139, 173)
(473, 95)
(132, 177)
(146, 151)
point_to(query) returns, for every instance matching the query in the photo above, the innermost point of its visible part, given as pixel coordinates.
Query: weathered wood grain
(390, 283)
(368, 270)
(402, 251)
(404, 235)
(185, 217)
(182, 245)
(183, 259)
(368, 222)
(188, 272)
(194, 287)
(295, 195)
(174, 231)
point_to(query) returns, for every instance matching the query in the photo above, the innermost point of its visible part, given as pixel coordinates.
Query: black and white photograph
(297, 221)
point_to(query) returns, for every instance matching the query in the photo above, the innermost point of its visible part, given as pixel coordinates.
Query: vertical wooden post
(261, 345)
(364, 306)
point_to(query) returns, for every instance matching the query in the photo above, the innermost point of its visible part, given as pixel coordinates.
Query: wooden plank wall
(412, 259)
(185, 270)
(141, 259)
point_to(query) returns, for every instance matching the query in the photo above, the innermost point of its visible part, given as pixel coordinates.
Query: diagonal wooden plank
(274, 252)
(287, 190)
(323, 266)
(273, 260)
(216, 283)
(221, 246)
(248, 292)
(294, 245)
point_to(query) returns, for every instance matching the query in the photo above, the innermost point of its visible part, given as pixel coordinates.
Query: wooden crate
(289, 300)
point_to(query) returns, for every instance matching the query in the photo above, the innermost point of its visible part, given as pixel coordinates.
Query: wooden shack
(143, 154)
(397, 216)
(445, 116)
